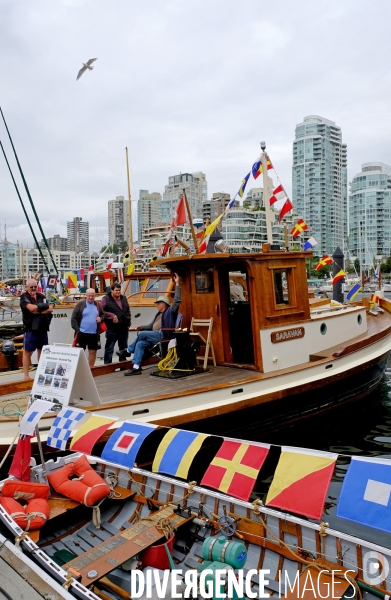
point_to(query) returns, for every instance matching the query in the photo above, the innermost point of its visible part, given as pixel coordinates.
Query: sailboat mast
(266, 194)
(130, 207)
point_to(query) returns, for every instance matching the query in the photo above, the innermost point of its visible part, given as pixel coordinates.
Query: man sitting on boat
(117, 319)
(150, 334)
(37, 315)
(85, 318)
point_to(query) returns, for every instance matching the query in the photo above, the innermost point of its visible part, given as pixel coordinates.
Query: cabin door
(239, 318)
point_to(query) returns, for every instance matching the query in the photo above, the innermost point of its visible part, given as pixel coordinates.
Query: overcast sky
(187, 85)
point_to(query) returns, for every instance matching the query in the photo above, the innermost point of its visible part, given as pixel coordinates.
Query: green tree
(357, 265)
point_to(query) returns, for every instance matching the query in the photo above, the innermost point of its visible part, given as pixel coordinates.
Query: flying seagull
(85, 66)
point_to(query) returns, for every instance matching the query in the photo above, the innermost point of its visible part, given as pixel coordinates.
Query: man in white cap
(150, 334)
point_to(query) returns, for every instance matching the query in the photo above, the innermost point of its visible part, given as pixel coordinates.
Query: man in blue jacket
(150, 334)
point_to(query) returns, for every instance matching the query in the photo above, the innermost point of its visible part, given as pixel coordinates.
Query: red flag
(81, 274)
(180, 215)
(20, 466)
(90, 268)
(287, 207)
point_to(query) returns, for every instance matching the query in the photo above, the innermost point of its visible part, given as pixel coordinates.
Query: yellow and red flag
(300, 226)
(326, 260)
(340, 275)
(89, 433)
(298, 471)
(71, 279)
(234, 469)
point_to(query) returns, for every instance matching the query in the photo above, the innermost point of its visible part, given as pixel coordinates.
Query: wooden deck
(116, 389)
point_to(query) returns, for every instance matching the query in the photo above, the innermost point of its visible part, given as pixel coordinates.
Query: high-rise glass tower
(319, 181)
(149, 210)
(196, 188)
(370, 214)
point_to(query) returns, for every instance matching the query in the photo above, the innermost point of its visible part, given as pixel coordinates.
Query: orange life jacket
(88, 488)
(36, 512)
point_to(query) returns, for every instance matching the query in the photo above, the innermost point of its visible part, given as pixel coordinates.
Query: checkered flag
(62, 427)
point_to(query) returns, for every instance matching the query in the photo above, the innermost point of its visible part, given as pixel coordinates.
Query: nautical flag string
(326, 260)
(278, 194)
(124, 444)
(298, 471)
(89, 433)
(234, 469)
(177, 451)
(353, 292)
(365, 493)
(300, 226)
(287, 207)
(257, 168)
(63, 424)
(340, 275)
(31, 417)
(310, 243)
(243, 186)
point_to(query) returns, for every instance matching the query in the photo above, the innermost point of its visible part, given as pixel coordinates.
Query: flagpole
(41, 453)
(193, 235)
(266, 194)
(130, 207)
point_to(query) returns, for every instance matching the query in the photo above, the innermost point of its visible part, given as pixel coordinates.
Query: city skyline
(200, 104)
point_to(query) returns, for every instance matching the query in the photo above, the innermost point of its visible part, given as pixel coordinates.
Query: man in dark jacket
(85, 318)
(117, 319)
(37, 315)
(150, 334)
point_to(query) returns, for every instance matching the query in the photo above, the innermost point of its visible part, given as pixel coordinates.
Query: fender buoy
(87, 488)
(36, 512)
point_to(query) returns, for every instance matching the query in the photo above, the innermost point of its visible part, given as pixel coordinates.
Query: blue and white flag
(32, 416)
(377, 272)
(62, 427)
(310, 243)
(366, 493)
(125, 442)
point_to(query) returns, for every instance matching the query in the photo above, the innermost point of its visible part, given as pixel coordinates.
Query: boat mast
(130, 208)
(266, 194)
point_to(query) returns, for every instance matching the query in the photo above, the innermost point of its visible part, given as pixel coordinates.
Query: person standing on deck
(150, 334)
(37, 315)
(85, 318)
(117, 319)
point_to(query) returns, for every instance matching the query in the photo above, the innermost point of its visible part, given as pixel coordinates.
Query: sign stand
(64, 377)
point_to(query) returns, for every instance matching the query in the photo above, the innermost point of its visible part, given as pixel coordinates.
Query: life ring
(36, 512)
(87, 488)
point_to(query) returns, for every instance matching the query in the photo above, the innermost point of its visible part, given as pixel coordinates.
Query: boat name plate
(284, 335)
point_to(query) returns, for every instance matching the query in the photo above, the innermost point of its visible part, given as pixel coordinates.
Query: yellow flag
(130, 269)
(210, 229)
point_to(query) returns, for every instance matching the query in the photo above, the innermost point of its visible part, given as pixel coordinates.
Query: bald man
(37, 315)
(85, 318)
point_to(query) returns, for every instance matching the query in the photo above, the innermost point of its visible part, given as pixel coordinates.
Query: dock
(22, 579)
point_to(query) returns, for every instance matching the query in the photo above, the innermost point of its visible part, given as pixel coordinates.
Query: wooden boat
(156, 524)
(140, 288)
(280, 355)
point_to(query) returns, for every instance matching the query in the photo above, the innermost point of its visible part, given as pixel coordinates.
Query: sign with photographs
(63, 376)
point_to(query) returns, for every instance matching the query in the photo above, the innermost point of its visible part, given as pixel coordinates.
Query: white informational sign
(64, 377)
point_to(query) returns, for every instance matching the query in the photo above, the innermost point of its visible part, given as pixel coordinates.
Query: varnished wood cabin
(275, 290)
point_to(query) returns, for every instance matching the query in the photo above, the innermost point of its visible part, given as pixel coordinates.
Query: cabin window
(134, 286)
(204, 281)
(281, 289)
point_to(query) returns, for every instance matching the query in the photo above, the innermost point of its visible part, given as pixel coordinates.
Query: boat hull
(262, 401)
